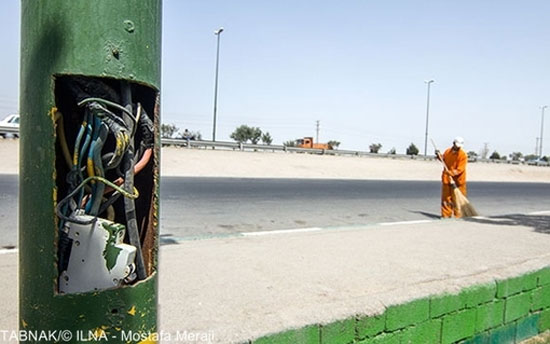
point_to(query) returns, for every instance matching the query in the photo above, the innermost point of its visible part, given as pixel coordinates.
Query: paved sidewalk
(240, 288)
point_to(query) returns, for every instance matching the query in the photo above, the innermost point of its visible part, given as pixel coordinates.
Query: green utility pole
(90, 68)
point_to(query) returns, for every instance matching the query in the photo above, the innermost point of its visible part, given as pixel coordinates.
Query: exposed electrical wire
(60, 205)
(60, 129)
(113, 142)
(108, 103)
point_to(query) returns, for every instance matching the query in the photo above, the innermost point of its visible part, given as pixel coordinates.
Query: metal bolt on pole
(90, 82)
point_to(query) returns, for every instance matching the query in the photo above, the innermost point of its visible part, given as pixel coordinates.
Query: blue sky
(357, 66)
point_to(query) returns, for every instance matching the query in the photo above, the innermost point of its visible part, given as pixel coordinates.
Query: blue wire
(97, 126)
(89, 129)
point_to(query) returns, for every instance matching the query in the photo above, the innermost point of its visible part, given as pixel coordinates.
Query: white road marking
(284, 231)
(8, 251)
(317, 229)
(544, 212)
(404, 222)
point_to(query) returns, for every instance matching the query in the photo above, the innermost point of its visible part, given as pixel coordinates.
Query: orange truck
(307, 142)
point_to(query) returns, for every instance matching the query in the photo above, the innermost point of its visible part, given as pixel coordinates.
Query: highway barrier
(281, 148)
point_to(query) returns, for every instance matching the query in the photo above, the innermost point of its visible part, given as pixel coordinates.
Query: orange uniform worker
(456, 160)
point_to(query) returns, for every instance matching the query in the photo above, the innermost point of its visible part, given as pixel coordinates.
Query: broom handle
(443, 162)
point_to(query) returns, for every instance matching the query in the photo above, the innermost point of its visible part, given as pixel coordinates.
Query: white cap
(458, 141)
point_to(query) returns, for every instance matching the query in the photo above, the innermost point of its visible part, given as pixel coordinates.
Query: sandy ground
(223, 163)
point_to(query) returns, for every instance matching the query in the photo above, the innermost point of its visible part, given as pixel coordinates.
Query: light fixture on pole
(429, 82)
(217, 33)
(541, 129)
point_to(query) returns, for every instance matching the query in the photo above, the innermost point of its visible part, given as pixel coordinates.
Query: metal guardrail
(280, 148)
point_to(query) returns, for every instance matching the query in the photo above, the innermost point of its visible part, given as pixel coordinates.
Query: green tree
(392, 151)
(168, 130)
(472, 156)
(255, 135)
(266, 138)
(412, 150)
(334, 144)
(244, 133)
(241, 134)
(375, 147)
(516, 156)
(495, 156)
(290, 143)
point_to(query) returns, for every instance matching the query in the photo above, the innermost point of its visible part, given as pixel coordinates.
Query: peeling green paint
(111, 252)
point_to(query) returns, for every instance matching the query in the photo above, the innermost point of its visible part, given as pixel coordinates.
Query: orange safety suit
(456, 161)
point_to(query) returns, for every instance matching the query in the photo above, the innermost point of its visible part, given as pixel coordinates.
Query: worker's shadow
(540, 223)
(428, 215)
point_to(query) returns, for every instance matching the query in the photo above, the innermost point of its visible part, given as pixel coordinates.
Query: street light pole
(317, 131)
(541, 129)
(217, 33)
(427, 117)
(72, 288)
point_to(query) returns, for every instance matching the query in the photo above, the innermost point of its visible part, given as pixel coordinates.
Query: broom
(463, 205)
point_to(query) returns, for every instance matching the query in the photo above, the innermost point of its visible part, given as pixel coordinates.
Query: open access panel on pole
(89, 173)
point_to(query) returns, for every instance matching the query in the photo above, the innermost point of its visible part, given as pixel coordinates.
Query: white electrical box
(98, 258)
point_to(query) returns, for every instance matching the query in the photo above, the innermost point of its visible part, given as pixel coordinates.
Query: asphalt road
(198, 207)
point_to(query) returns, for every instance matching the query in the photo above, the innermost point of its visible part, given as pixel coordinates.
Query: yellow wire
(111, 184)
(62, 138)
(75, 155)
(90, 168)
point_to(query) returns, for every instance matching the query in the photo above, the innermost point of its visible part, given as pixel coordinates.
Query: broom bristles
(463, 205)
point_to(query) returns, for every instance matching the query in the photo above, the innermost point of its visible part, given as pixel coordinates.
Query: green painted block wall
(517, 307)
(370, 326)
(477, 295)
(544, 276)
(489, 315)
(516, 285)
(541, 297)
(457, 326)
(483, 338)
(385, 338)
(503, 335)
(426, 332)
(527, 327)
(401, 316)
(444, 304)
(340, 332)
(544, 320)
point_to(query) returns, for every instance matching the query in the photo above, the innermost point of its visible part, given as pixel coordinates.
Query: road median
(185, 162)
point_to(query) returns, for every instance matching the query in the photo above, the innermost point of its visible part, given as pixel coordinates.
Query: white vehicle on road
(9, 126)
